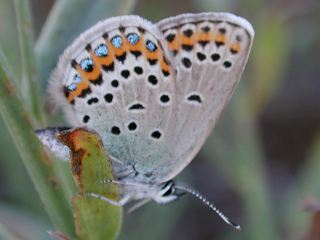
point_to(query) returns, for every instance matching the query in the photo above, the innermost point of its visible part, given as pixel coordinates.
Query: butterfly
(153, 92)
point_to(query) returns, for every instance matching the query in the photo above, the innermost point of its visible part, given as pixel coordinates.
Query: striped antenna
(209, 204)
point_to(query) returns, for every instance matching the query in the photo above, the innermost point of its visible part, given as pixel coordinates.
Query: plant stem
(28, 87)
(35, 159)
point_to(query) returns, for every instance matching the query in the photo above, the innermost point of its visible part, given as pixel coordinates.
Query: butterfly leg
(124, 173)
(139, 204)
(116, 160)
(119, 203)
(125, 170)
(123, 182)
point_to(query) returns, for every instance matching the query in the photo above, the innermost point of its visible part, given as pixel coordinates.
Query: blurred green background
(263, 159)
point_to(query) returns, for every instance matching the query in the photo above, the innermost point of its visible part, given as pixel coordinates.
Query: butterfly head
(167, 193)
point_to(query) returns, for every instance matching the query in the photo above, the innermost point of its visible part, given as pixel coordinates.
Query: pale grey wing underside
(209, 52)
(48, 137)
(116, 80)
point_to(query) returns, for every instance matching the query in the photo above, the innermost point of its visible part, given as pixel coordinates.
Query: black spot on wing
(85, 92)
(108, 68)
(188, 32)
(97, 81)
(136, 106)
(86, 119)
(156, 134)
(92, 100)
(201, 56)
(206, 29)
(203, 43)
(125, 73)
(195, 98)
(187, 47)
(136, 53)
(74, 63)
(186, 62)
(170, 37)
(122, 57)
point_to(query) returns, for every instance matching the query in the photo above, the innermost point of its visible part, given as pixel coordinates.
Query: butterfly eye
(87, 65)
(101, 50)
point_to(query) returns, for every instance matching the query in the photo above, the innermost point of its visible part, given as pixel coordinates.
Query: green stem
(36, 161)
(28, 87)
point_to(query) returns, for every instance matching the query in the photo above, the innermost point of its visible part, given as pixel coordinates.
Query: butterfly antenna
(209, 204)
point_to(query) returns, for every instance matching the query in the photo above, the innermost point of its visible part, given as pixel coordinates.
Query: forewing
(116, 79)
(209, 52)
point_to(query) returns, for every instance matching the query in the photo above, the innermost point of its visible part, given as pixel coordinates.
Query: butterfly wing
(209, 52)
(116, 79)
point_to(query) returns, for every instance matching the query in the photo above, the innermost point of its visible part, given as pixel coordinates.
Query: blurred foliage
(261, 162)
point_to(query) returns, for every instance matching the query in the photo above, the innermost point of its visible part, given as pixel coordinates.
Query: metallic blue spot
(133, 38)
(77, 79)
(72, 87)
(151, 46)
(101, 50)
(116, 41)
(87, 64)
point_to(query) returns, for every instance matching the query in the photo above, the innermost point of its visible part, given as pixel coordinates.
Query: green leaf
(95, 219)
